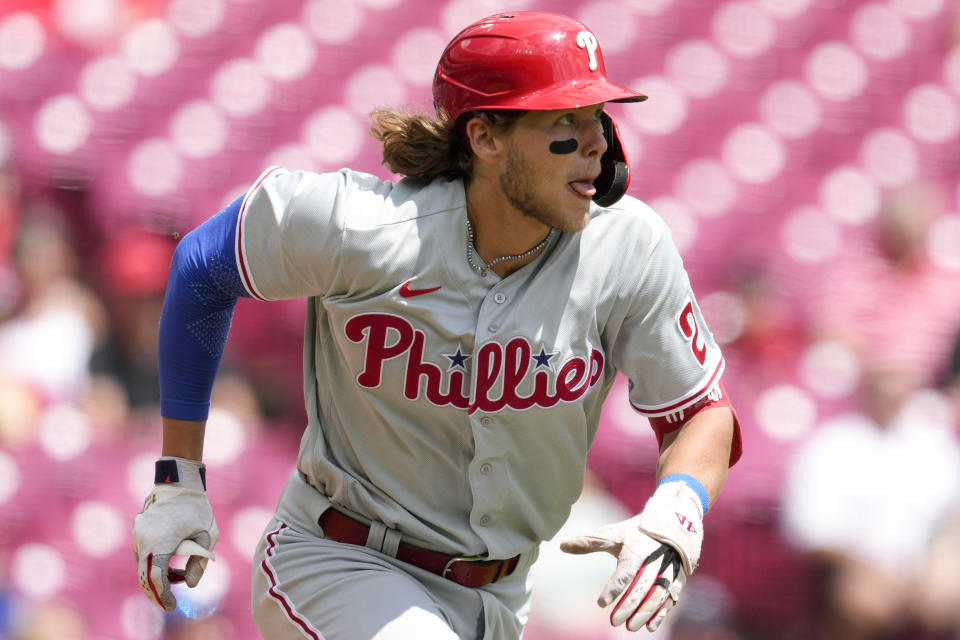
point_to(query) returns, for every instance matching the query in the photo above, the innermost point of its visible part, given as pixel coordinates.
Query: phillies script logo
(388, 336)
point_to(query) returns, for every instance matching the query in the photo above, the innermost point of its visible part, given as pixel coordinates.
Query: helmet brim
(569, 96)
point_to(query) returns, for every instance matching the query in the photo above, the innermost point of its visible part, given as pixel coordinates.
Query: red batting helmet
(532, 60)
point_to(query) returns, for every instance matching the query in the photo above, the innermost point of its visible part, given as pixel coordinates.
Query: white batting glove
(655, 552)
(177, 520)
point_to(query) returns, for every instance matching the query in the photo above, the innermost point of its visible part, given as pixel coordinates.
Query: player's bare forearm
(701, 448)
(183, 438)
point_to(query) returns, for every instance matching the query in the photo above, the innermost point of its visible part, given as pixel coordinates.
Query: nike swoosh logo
(407, 292)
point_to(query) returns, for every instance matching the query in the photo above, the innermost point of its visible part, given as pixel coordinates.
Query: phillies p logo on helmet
(588, 41)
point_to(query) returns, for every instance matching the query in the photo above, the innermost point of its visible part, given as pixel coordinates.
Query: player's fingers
(628, 567)
(676, 585)
(143, 575)
(144, 562)
(648, 608)
(194, 571)
(634, 595)
(154, 581)
(659, 616)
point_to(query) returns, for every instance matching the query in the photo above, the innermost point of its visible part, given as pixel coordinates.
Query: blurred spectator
(951, 375)
(47, 341)
(886, 295)
(864, 497)
(106, 407)
(763, 333)
(19, 408)
(939, 603)
(132, 277)
(938, 597)
(9, 224)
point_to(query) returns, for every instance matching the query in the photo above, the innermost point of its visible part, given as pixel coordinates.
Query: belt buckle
(447, 567)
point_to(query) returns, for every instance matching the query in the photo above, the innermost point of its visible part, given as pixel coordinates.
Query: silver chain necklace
(482, 270)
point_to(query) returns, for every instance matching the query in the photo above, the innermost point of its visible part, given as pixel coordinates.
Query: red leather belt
(470, 572)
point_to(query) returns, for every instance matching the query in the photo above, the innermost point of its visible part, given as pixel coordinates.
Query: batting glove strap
(190, 474)
(673, 515)
(653, 592)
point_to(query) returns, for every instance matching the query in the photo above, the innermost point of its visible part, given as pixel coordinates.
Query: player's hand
(655, 552)
(177, 520)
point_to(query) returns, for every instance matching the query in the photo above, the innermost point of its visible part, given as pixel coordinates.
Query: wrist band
(166, 471)
(691, 482)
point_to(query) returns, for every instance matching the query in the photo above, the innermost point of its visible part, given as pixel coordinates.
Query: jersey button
(485, 468)
(499, 298)
(486, 421)
(493, 327)
(484, 521)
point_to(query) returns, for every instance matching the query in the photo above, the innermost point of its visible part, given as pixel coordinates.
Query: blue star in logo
(457, 359)
(543, 358)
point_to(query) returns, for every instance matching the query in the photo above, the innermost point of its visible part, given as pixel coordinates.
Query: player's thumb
(599, 540)
(192, 573)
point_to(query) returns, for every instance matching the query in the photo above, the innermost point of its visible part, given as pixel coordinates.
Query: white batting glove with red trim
(177, 520)
(655, 552)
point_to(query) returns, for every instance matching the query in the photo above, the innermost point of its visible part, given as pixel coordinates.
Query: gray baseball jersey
(456, 408)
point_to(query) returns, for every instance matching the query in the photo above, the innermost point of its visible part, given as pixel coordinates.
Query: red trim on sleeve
(241, 260)
(653, 411)
(717, 398)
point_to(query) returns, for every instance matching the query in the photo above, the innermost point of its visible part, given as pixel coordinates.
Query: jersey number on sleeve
(691, 331)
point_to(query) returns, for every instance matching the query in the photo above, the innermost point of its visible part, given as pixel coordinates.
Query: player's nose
(594, 143)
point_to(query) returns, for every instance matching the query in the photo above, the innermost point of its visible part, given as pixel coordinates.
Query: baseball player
(464, 325)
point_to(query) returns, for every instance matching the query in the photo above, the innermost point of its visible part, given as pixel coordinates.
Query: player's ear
(484, 139)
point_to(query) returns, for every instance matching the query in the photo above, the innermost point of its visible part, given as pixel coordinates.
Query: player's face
(553, 157)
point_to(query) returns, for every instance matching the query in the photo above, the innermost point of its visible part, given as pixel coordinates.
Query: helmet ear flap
(614, 176)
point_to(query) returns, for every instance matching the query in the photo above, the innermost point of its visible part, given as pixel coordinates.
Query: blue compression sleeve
(202, 291)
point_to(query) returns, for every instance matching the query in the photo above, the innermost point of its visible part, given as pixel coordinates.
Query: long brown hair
(420, 145)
